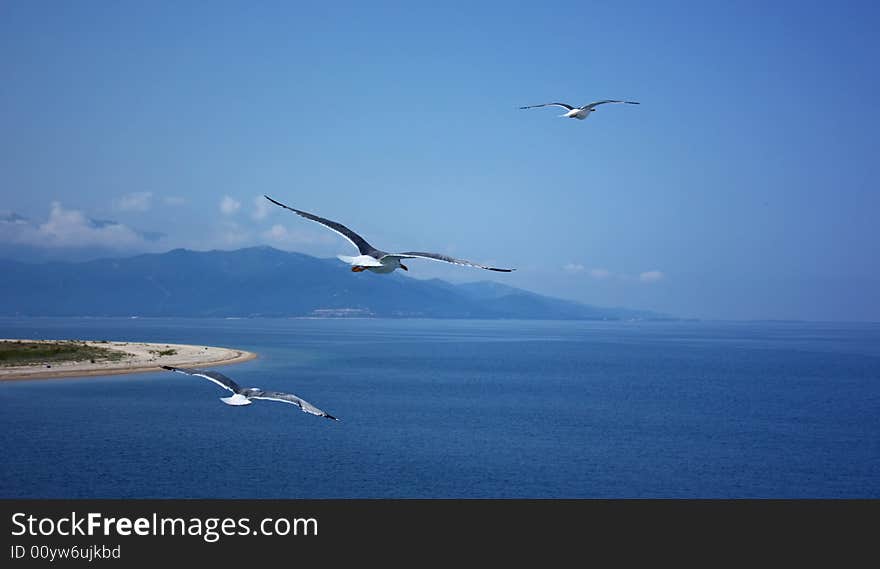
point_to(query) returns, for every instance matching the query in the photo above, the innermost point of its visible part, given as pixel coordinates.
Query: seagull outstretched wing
(218, 378)
(595, 104)
(355, 239)
(563, 105)
(289, 398)
(445, 259)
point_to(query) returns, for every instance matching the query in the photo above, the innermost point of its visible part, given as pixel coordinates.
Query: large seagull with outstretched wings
(374, 260)
(244, 395)
(579, 113)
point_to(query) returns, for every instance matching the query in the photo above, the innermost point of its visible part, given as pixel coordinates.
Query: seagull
(374, 260)
(243, 396)
(579, 113)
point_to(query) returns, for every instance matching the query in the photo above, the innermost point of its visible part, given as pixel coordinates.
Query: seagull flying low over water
(374, 260)
(579, 113)
(243, 396)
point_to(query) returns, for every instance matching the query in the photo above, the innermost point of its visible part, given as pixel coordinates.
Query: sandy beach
(138, 357)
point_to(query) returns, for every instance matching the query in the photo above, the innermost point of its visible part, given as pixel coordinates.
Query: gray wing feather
(292, 399)
(356, 240)
(446, 259)
(597, 103)
(216, 377)
(563, 105)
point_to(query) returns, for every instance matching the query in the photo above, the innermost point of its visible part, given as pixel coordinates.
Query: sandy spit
(140, 357)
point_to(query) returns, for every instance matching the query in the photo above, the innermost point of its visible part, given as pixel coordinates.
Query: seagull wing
(292, 399)
(597, 103)
(355, 239)
(563, 105)
(218, 378)
(445, 259)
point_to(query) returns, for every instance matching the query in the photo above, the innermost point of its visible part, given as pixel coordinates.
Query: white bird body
(236, 400)
(372, 259)
(579, 113)
(381, 266)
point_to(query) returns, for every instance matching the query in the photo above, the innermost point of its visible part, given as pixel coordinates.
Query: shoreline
(141, 357)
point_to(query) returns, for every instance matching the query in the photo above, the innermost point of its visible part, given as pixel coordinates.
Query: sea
(458, 409)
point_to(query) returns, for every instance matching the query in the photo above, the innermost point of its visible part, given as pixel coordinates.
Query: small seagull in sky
(579, 113)
(374, 260)
(243, 396)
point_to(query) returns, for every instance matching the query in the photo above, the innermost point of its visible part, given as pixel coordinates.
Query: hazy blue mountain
(262, 281)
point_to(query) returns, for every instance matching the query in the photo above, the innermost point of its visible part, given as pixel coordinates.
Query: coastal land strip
(114, 358)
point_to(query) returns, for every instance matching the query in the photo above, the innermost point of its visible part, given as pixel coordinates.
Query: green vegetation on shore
(24, 353)
(171, 352)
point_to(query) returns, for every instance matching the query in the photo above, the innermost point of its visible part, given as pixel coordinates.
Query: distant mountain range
(262, 281)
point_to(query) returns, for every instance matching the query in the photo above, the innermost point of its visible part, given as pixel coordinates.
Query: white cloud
(261, 208)
(174, 200)
(596, 273)
(13, 218)
(71, 228)
(651, 276)
(232, 234)
(229, 205)
(280, 234)
(277, 233)
(135, 201)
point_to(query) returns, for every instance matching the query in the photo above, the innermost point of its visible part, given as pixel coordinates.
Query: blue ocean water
(459, 409)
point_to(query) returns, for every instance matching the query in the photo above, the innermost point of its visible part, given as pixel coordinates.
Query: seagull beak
(402, 266)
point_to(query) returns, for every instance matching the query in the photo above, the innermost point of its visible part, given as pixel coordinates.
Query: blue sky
(744, 186)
